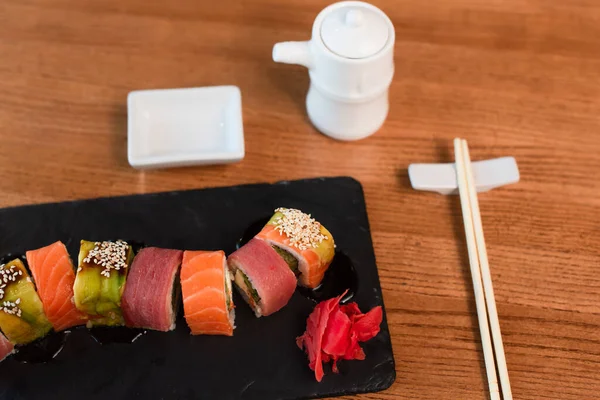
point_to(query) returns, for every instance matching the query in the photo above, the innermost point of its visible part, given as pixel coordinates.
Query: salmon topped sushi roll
(22, 317)
(305, 245)
(100, 281)
(151, 294)
(54, 277)
(206, 289)
(262, 277)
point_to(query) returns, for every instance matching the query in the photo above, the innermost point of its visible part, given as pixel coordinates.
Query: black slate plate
(261, 360)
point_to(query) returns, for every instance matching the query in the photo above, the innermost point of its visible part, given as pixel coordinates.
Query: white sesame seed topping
(110, 255)
(10, 274)
(302, 230)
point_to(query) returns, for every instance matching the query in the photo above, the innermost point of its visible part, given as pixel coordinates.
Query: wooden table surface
(514, 77)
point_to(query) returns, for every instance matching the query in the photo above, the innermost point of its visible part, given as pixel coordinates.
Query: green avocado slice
(22, 317)
(98, 288)
(289, 259)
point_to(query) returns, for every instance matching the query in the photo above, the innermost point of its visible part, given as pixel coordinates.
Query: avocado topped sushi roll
(303, 243)
(22, 317)
(100, 280)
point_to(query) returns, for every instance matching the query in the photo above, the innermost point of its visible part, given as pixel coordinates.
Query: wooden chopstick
(486, 276)
(488, 352)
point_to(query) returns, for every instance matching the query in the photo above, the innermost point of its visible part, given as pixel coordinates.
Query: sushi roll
(262, 277)
(150, 297)
(100, 281)
(22, 317)
(303, 243)
(54, 276)
(6, 347)
(206, 289)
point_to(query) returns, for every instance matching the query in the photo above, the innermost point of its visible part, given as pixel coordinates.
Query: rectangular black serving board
(261, 361)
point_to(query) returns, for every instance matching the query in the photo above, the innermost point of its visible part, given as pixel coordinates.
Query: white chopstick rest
(441, 178)
(482, 281)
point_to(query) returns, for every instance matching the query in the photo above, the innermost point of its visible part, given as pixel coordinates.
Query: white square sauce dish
(189, 126)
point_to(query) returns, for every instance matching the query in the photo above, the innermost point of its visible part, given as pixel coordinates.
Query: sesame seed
(109, 255)
(11, 308)
(9, 274)
(302, 230)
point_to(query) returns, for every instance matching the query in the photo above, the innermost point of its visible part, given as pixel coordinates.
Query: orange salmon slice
(53, 274)
(206, 292)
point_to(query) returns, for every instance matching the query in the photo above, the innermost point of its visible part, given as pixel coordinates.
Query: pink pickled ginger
(333, 333)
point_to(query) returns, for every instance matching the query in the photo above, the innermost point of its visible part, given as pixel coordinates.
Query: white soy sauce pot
(350, 60)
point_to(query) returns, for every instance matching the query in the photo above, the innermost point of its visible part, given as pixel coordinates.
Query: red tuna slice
(6, 347)
(147, 301)
(269, 274)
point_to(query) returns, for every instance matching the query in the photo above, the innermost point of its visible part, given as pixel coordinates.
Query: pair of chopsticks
(480, 272)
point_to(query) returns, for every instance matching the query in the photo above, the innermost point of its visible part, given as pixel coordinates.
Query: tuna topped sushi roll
(54, 276)
(305, 245)
(6, 347)
(22, 317)
(262, 277)
(100, 281)
(151, 294)
(206, 289)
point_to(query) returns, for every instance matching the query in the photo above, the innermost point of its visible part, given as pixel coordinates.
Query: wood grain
(514, 77)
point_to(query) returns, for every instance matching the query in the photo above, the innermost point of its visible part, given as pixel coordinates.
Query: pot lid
(354, 31)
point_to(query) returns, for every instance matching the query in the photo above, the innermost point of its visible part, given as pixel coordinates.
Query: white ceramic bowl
(191, 126)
